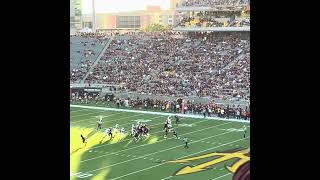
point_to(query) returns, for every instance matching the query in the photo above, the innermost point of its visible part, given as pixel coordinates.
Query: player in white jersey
(169, 119)
(132, 129)
(106, 132)
(109, 132)
(169, 123)
(99, 123)
(122, 132)
(170, 127)
(244, 128)
(116, 128)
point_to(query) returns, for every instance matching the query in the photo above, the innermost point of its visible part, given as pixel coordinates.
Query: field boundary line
(78, 110)
(159, 113)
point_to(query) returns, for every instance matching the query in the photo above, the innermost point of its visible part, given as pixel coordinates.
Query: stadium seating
(166, 65)
(84, 50)
(212, 3)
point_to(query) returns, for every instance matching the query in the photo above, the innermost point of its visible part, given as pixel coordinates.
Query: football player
(132, 130)
(166, 129)
(177, 119)
(175, 134)
(122, 132)
(185, 140)
(83, 140)
(169, 119)
(99, 123)
(116, 128)
(244, 128)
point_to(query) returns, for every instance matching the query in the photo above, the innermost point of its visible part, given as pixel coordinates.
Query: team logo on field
(240, 158)
(142, 120)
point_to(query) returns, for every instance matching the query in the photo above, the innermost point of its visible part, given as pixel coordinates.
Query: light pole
(93, 16)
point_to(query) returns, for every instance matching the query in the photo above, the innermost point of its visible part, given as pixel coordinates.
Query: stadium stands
(84, 50)
(212, 22)
(166, 65)
(211, 3)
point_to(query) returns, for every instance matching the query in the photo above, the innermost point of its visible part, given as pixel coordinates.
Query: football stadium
(160, 89)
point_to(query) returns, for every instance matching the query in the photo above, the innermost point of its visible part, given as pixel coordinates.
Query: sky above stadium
(107, 6)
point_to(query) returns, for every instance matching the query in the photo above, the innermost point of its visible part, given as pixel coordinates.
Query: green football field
(216, 148)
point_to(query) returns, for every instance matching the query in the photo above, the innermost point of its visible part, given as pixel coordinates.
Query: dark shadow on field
(91, 133)
(76, 150)
(85, 167)
(103, 139)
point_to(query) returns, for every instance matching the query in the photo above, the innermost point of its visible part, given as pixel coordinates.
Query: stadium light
(93, 16)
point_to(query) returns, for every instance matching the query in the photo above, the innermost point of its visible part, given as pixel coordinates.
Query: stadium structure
(197, 68)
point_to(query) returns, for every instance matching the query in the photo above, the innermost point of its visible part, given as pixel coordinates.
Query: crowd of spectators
(174, 106)
(212, 3)
(211, 22)
(176, 65)
(84, 49)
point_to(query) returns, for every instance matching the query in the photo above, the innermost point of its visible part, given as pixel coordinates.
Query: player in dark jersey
(166, 129)
(110, 133)
(177, 119)
(175, 134)
(136, 135)
(83, 139)
(204, 112)
(146, 131)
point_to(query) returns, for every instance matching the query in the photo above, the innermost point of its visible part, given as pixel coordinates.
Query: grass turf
(149, 158)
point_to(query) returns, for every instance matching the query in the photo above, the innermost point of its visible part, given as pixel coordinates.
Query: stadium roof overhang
(217, 29)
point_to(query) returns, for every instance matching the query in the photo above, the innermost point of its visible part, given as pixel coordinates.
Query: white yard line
(129, 122)
(153, 143)
(107, 116)
(155, 152)
(159, 113)
(88, 114)
(221, 176)
(166, 178)
(177, 158)
(87, 119)
(79, 110)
